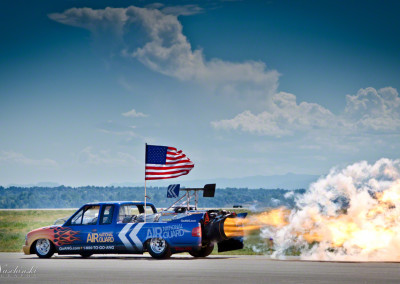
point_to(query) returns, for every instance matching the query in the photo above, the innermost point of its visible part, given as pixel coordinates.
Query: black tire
(86, 255)
(44, 248)
(158, 248)
(203, 252)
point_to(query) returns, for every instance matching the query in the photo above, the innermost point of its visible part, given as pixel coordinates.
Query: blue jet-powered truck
(123, 227)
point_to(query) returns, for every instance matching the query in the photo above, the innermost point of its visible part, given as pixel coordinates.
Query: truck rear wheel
(204, 251)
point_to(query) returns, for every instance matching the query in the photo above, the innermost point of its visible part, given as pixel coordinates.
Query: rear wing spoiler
(208, 190)
(173, 191)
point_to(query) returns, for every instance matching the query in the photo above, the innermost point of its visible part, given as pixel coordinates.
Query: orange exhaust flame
(234, 227)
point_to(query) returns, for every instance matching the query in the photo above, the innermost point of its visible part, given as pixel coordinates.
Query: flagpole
(145, 195)
(145, 200)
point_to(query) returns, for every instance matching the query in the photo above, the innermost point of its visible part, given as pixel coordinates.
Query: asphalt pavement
(19, 268)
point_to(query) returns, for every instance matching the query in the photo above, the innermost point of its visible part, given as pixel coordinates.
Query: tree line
(74, 197)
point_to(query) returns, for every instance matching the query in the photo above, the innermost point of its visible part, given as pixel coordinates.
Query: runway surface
(185, 269)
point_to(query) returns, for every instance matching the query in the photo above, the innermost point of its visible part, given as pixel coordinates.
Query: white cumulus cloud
(88, 156)
(284, 117)
(167, 50)
(180, 10)
(21, 159)
(134, 113)
(368, 110)
(372, 109)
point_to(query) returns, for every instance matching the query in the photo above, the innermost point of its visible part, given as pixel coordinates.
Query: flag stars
(156, 154)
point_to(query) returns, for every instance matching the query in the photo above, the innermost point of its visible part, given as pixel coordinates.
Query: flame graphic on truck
(64, 236)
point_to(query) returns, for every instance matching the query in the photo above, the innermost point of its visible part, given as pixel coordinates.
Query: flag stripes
(164, 162)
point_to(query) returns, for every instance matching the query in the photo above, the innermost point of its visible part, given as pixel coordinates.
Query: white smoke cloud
(351, 214)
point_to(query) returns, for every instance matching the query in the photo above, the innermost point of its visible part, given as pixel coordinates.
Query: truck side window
(127, 213)
(107, 215)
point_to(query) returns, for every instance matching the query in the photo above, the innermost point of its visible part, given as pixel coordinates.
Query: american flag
(164, 162)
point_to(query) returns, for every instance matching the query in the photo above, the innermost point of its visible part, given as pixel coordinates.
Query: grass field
(15, 224)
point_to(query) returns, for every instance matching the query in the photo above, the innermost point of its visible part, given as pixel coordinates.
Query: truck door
(92, 229)
(100, 238)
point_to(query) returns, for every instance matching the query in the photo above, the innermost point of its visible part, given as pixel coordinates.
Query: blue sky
(242, 87)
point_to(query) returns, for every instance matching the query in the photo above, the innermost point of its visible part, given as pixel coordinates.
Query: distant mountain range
(286, 181)
(39, 184)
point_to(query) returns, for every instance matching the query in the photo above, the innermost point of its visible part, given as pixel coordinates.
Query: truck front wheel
(158, 248)
(44, 248)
